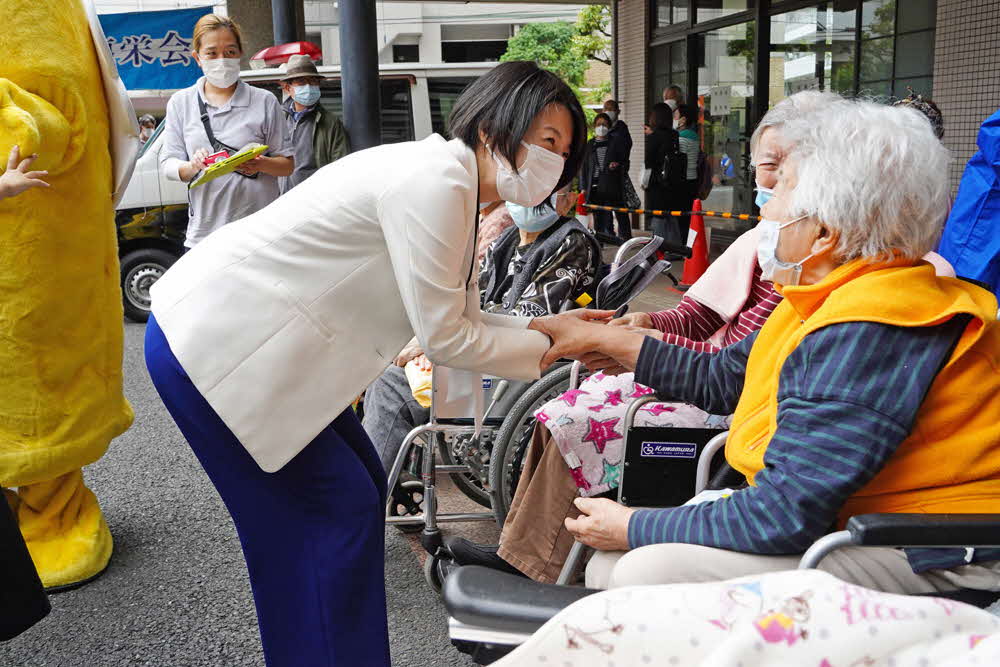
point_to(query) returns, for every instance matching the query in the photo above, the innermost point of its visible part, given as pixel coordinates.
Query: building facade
(737, 58)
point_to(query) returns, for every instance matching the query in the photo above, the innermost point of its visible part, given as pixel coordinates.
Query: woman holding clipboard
(218, 116)
(262, 336)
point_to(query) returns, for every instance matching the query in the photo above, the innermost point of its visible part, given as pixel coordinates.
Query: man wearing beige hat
(315, 133)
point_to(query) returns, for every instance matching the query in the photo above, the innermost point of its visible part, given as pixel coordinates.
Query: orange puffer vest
(950, 462)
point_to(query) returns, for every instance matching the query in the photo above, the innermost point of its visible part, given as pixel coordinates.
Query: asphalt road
(176, 592)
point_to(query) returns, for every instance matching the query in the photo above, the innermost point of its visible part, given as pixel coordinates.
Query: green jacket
(330, 141)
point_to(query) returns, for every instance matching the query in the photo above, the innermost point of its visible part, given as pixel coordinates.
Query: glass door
(725, 96)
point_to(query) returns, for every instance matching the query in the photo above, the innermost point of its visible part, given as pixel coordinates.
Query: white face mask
(535, 179)
(671, 103)
(773, 269)
(677, 124)
(601, 130)
(221, 72)
(613, 115)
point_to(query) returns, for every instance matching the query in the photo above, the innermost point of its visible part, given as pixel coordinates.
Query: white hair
(876, 174)
(790, 108)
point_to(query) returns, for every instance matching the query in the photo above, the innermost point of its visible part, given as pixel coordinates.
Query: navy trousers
(312, 533)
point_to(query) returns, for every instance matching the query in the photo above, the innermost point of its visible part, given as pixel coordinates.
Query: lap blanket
(802, 617)
(587, 425)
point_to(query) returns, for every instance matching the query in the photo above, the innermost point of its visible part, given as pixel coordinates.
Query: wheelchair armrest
(925, 530)
(496, 600)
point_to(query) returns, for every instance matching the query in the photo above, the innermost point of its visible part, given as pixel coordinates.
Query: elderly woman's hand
(603, 524)
(409, 353)
(640, 320)
(573, 333)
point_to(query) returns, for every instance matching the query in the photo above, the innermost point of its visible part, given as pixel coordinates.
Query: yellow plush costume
(61, 398)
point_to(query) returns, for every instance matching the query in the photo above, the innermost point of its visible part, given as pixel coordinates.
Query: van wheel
(140, 269)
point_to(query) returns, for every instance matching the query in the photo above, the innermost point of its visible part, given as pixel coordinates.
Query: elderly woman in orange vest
(873, 387)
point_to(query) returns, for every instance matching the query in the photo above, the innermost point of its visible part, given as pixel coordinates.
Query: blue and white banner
(153, 49)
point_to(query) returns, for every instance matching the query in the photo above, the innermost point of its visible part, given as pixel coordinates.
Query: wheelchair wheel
(407, 498)
(514, 436)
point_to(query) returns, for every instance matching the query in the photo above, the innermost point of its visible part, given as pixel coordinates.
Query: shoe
(467, 552)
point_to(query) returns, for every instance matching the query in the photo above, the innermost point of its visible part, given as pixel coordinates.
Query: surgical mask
(221, 72)
(535, 179)
(306, 95)
(613, 115)
(677, 124)
(763, 196)
(534, 218)
(601, 130)
(773, 269)
(672, 104)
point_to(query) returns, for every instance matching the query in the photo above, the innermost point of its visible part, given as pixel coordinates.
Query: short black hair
(503, 103)
(661, 117)
(602, 116)
(614, 105)
(690, 114)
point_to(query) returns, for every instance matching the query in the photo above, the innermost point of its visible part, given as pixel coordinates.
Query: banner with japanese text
(153, 49)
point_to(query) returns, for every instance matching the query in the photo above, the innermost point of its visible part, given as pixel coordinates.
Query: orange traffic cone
(698, 262)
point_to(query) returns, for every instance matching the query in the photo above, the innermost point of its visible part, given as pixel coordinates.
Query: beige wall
(966, 72)
(632, 34)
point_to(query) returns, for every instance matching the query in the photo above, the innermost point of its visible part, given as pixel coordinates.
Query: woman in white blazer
(263, 334)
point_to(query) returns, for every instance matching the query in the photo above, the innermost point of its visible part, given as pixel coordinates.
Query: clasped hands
(594, 338)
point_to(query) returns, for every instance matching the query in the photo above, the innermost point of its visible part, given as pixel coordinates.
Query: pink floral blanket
(587, 426)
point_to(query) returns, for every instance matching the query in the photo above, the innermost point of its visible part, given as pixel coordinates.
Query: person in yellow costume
(61, 331)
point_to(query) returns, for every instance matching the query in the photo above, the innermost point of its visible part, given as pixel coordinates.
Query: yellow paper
(229, 165)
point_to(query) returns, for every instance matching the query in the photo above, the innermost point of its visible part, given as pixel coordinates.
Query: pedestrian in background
(147, 125)
(315, 134)
(662, 195)
(620, 140)
(221, 113)
(603, 184)
(673, 97)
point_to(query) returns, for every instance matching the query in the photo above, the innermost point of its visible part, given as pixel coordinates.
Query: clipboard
(229, 165)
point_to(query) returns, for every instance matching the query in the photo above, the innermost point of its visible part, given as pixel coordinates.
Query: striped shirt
(692, 323)
(844, 406)
(690, 147)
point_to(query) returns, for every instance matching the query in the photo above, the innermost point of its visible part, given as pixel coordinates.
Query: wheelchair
(452, 443)
(492, 612)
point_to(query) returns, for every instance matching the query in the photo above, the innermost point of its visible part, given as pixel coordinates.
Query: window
(670, 12)
(405, 53)
(897, 47)
(443, 93)
(812, 48)
(706, 10)
(397, 114)
(488, 51)
(725, 94)
(669, 68)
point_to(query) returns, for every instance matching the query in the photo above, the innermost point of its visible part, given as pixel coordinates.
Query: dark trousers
(312, 533)
(22, 599)
(604, 226)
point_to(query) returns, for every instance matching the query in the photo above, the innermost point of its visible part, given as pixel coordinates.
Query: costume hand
(641, 320)
(17, 178)
(409, 353)
(603, 524)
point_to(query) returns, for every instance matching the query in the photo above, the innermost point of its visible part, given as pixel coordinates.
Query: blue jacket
(971, 239)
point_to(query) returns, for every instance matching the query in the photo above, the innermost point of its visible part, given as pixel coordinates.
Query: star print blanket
(802, 617)
(587, 426)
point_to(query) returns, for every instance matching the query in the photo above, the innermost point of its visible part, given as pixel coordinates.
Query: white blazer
(282, 318)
